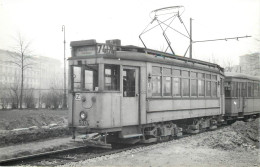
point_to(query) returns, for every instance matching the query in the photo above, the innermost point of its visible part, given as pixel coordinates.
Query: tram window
(239, 93)
(185, 73)
(208, 88)
(193, 74)
(167, 82)
(129, 83)
(234, 89)
(167, 71)
(156, 85)
(201, 88)
(112, 77)
(156, 81)
(156, 70)
(176, 87)
(243, 90)
(250, 89)
(208, 76)
(90, 77)
(227, 89)
(259, 89)
(256, 89)
(200, 75)
(185, 87)
(194, 86)
(176, 72)
(76, 78)
(214, 77)
(214, 89)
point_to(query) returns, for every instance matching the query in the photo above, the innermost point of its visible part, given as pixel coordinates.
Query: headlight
(83, 115)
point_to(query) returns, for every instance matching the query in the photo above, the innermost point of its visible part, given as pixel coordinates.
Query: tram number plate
(83, 123)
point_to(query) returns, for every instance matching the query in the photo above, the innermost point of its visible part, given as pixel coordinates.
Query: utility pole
(191, 38)
(64, 94)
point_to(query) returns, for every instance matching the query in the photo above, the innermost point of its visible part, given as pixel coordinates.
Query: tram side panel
(166, 110)
(102, 110)
(241, 99)
(161, 109)
(252, 106)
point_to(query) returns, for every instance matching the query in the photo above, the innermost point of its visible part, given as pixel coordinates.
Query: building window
(156, 81)
(112, 77)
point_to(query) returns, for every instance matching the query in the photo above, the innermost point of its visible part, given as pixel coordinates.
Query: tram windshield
(85, 78)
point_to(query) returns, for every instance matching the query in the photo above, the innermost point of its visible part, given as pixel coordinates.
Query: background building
(250, 64)
(44, 75)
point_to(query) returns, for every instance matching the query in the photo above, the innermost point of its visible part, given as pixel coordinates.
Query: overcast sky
(40, 21)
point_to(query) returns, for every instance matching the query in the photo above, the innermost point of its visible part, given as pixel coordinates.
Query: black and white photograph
(130, 83)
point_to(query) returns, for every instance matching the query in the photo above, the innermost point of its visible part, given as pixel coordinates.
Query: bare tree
(14, 94)
(228, 65)
(22, 59)
(29, 99)
(4, 97)
(214, 59)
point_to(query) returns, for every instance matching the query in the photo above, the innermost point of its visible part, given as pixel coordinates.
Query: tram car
(132, 94)
(242, 96)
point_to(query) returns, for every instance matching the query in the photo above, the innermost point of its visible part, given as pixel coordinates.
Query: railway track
(39, 156)
(75, 154)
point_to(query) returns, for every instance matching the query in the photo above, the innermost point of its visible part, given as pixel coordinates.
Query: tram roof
(241, 76)
(131, 49)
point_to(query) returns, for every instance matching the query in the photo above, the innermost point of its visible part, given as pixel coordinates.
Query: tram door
(243, 96)
(241, 87)
(130, 98)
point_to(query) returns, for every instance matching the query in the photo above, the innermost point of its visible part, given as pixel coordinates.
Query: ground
(19, 126)
(235, 145)
(13, 119)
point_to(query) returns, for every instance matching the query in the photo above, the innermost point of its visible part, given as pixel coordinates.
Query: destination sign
(85, 51)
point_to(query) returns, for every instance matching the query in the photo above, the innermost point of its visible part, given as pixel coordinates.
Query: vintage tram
(242, 96)
(133, 94)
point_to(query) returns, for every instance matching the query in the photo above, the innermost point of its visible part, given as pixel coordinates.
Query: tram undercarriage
(150, 133)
